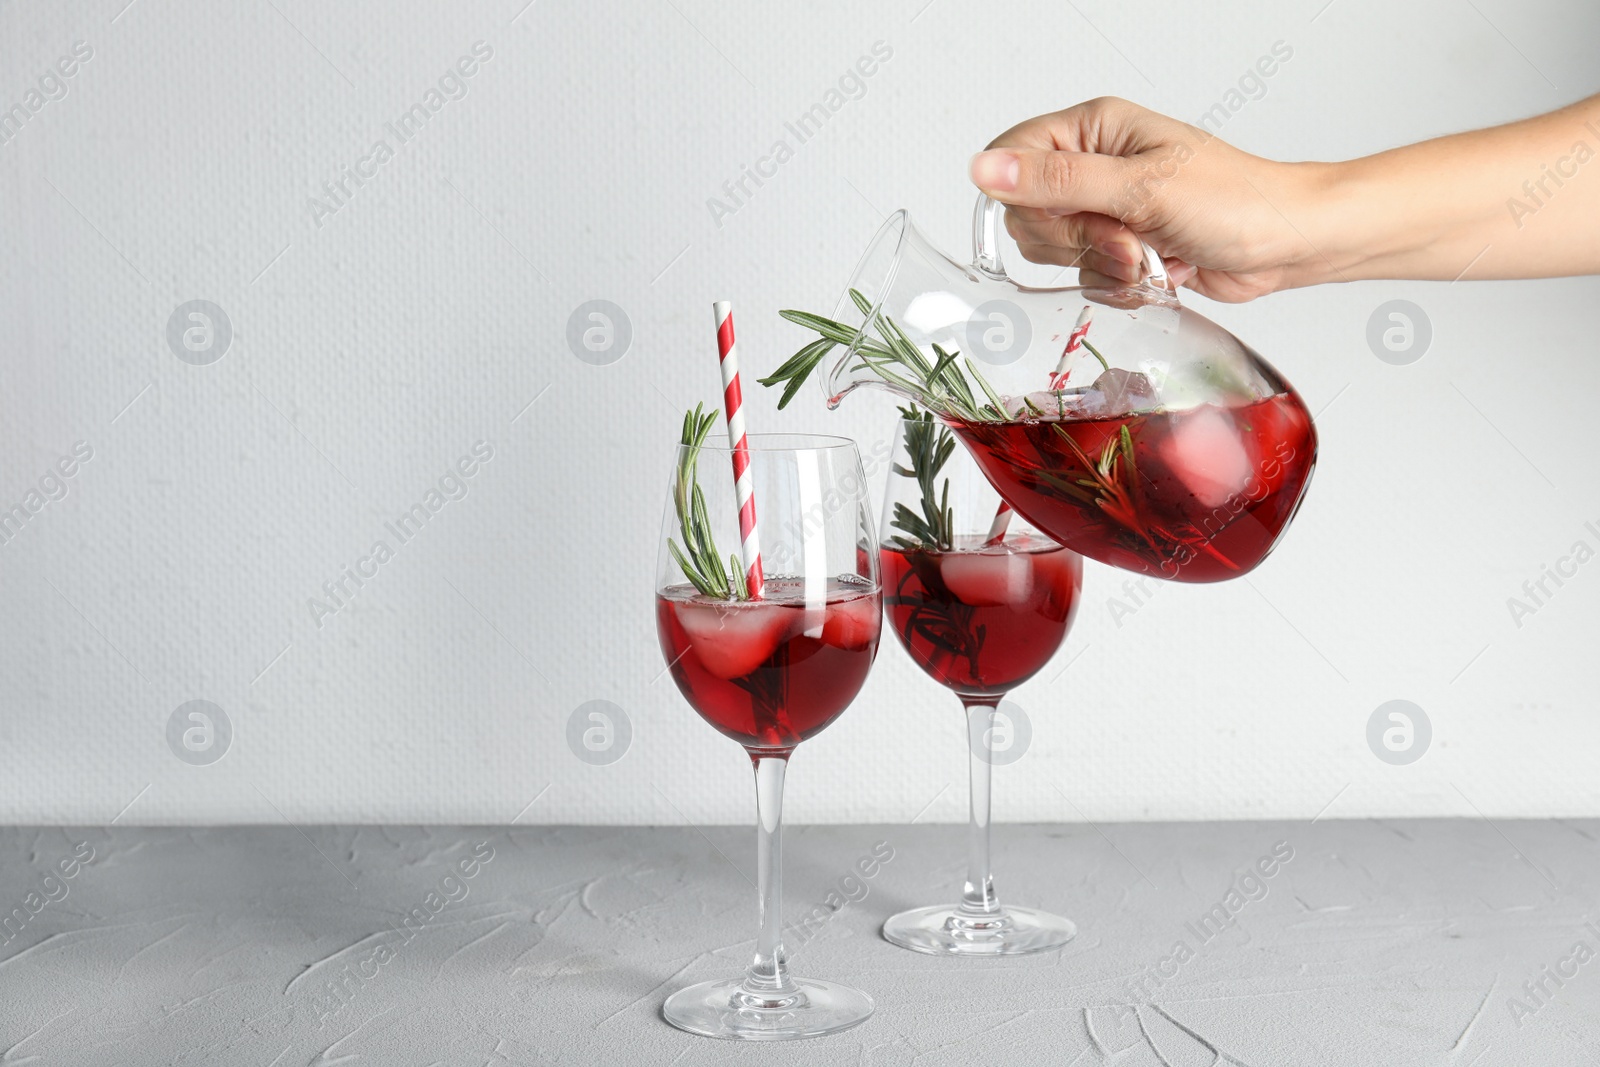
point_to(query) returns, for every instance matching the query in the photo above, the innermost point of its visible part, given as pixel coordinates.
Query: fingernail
(996, 170)
(1182, 274)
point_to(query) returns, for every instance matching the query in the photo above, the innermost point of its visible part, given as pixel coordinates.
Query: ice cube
(1058, 569)
(1088, 404)
(734, 638)
(1126, 391)
(851, 624)
(989, 578)
(1024, 406)
(1205, 453)
(1052, 404)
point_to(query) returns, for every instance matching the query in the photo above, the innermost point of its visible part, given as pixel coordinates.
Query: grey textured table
(1372, 943)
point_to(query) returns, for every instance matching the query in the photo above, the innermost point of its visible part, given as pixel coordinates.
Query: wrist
(1393, 215)
(1335, 231)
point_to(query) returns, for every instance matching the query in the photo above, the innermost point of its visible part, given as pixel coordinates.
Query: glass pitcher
(1128, 427)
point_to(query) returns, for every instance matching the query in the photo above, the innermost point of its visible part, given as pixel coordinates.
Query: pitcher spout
(905, 296)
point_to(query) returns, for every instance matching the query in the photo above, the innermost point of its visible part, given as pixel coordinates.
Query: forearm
(1515, 201)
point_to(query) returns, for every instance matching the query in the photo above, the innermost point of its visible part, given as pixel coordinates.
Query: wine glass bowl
(768, 664)
(770, 673)
(981, 619)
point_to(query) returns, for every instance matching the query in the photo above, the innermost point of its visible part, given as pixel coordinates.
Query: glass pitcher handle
(986, 227)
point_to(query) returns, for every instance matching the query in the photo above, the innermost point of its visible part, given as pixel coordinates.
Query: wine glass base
(723, 1010)
(943, 931)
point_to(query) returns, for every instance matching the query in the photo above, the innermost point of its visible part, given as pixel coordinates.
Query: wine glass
(769, 671)
(981, 600)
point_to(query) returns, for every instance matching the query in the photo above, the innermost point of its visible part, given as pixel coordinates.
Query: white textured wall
(378, 339)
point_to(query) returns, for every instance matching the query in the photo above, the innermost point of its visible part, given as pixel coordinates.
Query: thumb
(1060, 182)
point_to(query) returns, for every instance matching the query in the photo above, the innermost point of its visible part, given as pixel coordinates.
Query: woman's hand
(1514, 201)
(1081, 183)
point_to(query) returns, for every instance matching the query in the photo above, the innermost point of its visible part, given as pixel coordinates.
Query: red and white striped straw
(1086, 316)
(1002, 521)
(743, 483)
(1058, 379)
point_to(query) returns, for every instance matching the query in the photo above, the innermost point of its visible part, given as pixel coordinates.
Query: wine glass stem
(767, 981)
(977, 897)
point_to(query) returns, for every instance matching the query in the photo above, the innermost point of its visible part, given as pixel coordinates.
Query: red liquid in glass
(1205, 496)
(982, 620)
(772, 672)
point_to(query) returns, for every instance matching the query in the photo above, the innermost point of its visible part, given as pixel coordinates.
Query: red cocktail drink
(770, 673)
(982, 619)
(1195, 495)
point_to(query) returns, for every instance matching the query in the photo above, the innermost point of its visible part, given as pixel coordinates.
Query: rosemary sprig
(890, 354)
(928, 447)
(1095, 352)
(699, 558)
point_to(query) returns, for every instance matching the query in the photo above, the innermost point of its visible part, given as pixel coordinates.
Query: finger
(1052, 230)
(1052, 254)
(1106, 124)
(1061, 181)
(1102, 264)
(1033, 214)
(1084, 230)
(1095, 279)
(1083, 258)
(1058, 129)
